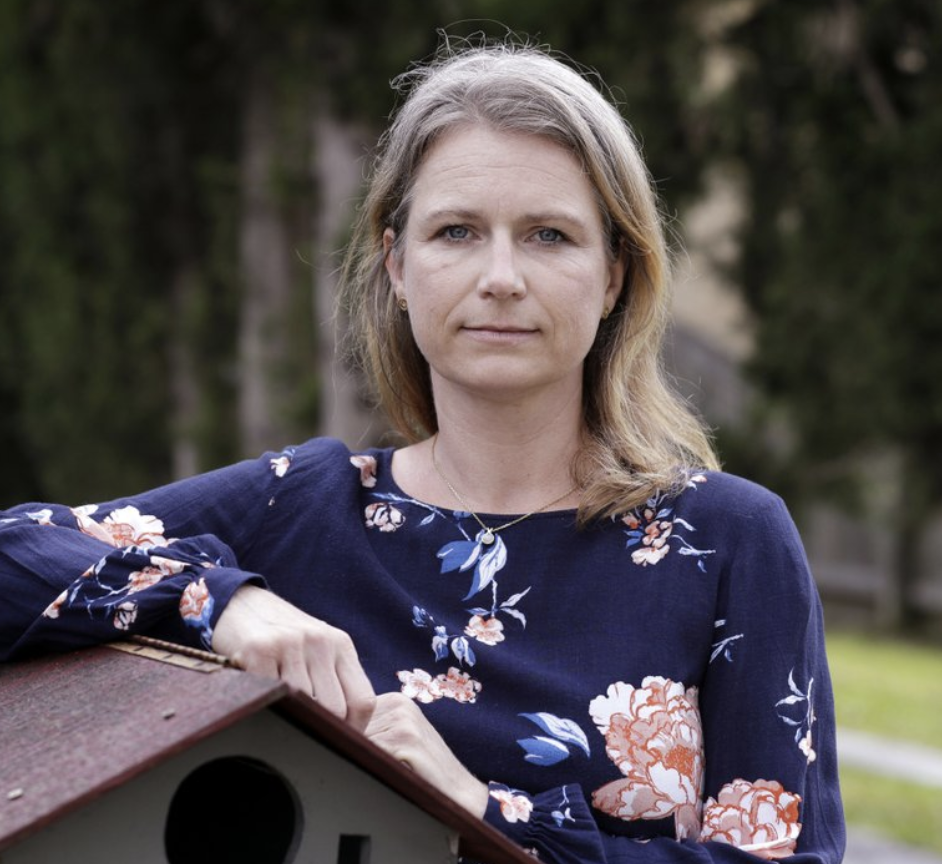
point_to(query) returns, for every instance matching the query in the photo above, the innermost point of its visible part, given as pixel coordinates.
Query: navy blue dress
(651, 688)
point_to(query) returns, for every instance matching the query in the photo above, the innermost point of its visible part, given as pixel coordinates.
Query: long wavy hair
(640, 436)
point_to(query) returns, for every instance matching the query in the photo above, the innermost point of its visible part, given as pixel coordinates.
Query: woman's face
(504, 263)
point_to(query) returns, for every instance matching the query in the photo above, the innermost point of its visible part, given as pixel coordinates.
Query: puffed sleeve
(770, 786)
(164, 563)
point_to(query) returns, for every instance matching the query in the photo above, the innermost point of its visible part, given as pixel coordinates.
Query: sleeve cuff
(202, 601)
(556, 824)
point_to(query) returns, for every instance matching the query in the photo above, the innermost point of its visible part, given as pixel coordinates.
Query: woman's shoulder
(329, 458)
(728, 498)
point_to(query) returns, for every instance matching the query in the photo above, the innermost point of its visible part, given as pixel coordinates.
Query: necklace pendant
(487, 538)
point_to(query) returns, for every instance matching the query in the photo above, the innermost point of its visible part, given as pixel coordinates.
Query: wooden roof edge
(26, 811)
(91, 677)
(478, 839)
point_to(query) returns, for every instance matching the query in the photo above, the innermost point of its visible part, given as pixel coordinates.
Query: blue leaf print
(559, 814)
(513, 601)
(488, 565)
(543, 751)
(427, 519)
(420, 618)
(634, 537)
(723, 646)
(462, 650)
(516, 613)
(440, 643)
(459, 555)
(560, 728)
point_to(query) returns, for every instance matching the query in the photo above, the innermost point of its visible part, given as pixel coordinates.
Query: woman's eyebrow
(464, 214)
(456, 214)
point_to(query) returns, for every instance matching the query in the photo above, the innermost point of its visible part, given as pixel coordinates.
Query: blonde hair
(640, 436)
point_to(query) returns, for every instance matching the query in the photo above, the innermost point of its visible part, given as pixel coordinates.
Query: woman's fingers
(358, 692)
(399, 727)
(264, 634)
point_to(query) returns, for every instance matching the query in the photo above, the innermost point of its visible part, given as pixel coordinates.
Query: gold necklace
(488, 537)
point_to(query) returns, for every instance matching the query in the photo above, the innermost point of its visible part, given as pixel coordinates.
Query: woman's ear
(391, 261)
(616, 277)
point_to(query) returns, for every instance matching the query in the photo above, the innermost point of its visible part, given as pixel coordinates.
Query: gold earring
(403, 304)
(606, 312)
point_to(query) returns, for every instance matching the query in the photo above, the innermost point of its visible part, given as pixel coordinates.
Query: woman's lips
(499, 334)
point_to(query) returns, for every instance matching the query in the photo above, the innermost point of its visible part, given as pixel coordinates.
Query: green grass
(892, 688)
(896, 809)
(887, 687)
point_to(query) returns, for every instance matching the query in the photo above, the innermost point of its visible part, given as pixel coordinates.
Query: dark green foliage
(120, 139)
(836, 123)
(841, 150)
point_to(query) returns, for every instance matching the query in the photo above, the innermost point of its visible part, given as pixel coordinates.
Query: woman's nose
(501, 275)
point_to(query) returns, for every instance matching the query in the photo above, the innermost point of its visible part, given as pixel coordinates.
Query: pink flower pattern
(653, 734)
(367, 466)
(280, 465)
(651, 529)
(514, 808)
(654, 540)
(459, 686)
(759, 817)
(453, 684)
(52, 610)
(490, 631)
(122, 528)
(194, 599)
(419, 685)
(383, 516)
(125, 615)
(159, 569)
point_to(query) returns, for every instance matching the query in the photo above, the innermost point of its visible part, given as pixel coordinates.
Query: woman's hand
(261, 633)
(400, 728)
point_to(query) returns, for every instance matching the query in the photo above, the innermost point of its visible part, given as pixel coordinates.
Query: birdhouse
(147, 755)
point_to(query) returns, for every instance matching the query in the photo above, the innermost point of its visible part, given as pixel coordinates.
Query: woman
(579, 629)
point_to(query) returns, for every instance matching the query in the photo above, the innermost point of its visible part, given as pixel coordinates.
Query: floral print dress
(651, 688)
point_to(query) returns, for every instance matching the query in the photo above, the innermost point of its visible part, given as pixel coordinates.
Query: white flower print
(41, 517)
(159, 569)
(52, 610)
(490, 631)
(513, 807)
(654, 735)
(123, 527)
(419, 685)
(797, 710)
(459, 686)
(760, 817)
(383, 516)
(367, 466)
(125, 615)
(280, 465)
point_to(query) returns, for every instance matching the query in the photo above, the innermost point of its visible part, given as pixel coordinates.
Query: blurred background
(177, 179)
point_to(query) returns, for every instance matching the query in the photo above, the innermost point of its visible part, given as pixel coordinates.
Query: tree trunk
(338, 174)
(184, 380)
(264, 257)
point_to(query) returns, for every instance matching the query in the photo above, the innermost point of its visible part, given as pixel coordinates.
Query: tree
(834, 118)
(158, 199)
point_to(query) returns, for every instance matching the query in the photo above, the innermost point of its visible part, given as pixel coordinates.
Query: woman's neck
(502, 457)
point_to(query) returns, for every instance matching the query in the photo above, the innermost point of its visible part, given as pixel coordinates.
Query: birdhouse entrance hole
(233, 809)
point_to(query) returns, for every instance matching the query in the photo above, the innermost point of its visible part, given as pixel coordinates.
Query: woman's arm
(168, 563)
(164, 562)
(770, 782)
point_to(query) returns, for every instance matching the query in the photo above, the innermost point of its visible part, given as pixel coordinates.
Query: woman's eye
(455, 232)
(549, 235)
